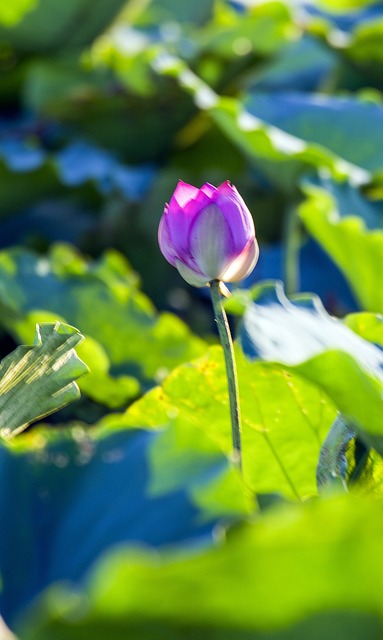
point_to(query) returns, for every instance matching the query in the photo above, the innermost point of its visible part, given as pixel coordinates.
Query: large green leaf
(260, 30)
(325, 121)
(48, 25)
(364, 46)
(35, 381)
(301, 64)
(300, 334)
(228, 36)
(354, 247)
(367, 325)
(344, 7)
(69, 494)
(305, 572)
(281, 440)
(103, 299)
(12, 12)
(277, 154)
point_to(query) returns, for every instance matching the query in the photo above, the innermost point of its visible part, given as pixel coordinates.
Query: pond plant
(173, 469)
(209, 235)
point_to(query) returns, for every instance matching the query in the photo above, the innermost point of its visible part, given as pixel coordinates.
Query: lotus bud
(208, 234)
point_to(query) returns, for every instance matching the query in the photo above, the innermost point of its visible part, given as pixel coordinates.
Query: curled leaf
(37, 380)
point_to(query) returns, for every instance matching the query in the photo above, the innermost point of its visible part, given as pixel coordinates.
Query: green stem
(231, 370)
(291, 246)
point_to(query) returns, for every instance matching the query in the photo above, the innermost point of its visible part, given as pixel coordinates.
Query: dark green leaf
(68, 495)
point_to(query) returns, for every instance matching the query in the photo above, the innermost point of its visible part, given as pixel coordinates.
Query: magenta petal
(208, 189)
(208, 234)
(193, 207)
(180, 222)
(164, 240)
(237, 216)
(243, 264)
(183, 193)
(210, 241)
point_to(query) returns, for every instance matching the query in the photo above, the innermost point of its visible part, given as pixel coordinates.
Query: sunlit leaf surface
(326, 120)
(301, 567)
(284, 419)
(350, 230)
(11, 13)
(44, 25)
(281, 156)
(35, 381)
(100, 115)
(300, 334)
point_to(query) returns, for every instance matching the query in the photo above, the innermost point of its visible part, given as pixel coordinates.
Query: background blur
(105, 105)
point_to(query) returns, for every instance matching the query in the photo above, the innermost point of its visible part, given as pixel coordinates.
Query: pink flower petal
(237, 216)
(193, 207)
(164, 240)
(209, 241)
(243, 265)
(208, 234)
(208, 189)
(192, 277)
(183, 193)
(180, 222)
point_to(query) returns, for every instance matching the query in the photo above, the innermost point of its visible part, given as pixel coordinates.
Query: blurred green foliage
(103, 107)
(103, 297)
(299, 561)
